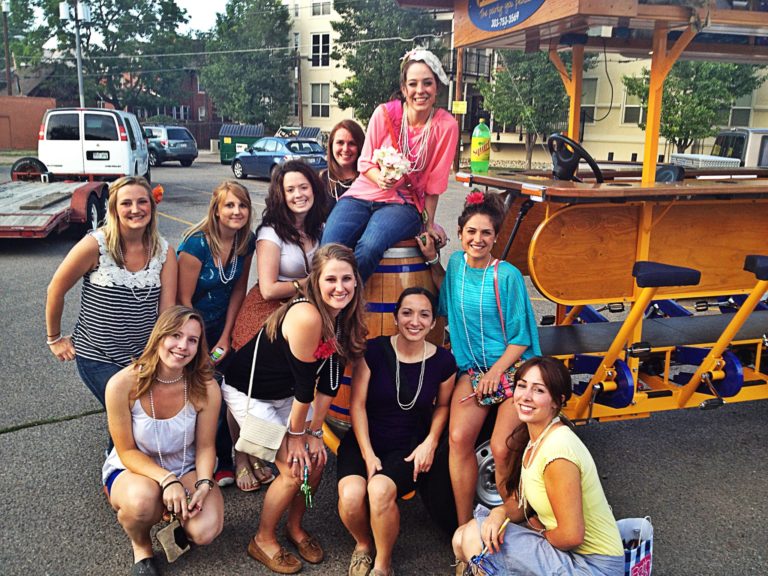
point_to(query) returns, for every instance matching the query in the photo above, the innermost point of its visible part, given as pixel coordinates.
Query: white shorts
(277, 411)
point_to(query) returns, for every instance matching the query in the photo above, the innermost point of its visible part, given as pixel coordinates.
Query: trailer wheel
(435, 488)
(28, 168)
(92, 213)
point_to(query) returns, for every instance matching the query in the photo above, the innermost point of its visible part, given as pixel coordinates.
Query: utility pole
(6, 11)
(82, 12)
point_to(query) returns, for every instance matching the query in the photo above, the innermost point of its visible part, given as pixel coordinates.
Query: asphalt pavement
(700, 476)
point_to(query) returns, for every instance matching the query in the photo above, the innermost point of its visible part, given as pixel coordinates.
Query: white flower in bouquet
(391, 162)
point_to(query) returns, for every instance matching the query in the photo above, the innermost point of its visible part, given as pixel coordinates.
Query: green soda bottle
(480, 149)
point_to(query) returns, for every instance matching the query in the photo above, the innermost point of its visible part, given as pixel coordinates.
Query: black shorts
(350, 462)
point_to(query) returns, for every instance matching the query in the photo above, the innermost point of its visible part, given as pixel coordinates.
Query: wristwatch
(316, 433)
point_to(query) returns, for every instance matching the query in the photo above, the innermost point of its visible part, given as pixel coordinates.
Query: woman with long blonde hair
(127, 281)
(162, 412)
(320, 330)
(214, 264)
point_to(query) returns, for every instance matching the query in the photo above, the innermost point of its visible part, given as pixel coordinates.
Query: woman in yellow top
(560, 521)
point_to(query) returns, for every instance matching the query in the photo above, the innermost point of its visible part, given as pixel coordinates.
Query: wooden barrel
(401, 267)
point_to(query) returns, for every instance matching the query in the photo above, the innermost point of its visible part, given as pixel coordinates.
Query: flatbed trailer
(35, 209)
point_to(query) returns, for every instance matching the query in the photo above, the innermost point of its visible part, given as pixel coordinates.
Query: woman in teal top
(479, 342)
(214, 263)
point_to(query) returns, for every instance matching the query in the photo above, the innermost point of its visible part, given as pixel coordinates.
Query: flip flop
(244, 471)
(265, 471)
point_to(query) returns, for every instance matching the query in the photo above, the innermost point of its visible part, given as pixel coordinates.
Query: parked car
(170, 143)
(92, 141)
(268, 153)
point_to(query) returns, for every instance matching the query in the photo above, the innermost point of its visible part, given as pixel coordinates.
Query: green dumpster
(234, 138)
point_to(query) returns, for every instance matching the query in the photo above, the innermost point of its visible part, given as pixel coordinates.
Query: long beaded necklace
(223, 276)
(532, 446)
(417, 155)
(125, 267)
(412, 403)
(334, 185)
(334, 381)
(464, 315)
(157, 436)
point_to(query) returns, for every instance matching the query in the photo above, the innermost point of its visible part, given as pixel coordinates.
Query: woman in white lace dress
(127, 281)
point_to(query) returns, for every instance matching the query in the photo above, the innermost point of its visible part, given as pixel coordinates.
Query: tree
(252, 86)
(526, 91)
(125, 51)
(367, 49)
(26, 35)
(694, 95)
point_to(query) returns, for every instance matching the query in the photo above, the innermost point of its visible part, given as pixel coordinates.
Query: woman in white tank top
(162, 412)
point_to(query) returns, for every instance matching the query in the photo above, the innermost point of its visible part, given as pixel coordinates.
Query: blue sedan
(267, 154)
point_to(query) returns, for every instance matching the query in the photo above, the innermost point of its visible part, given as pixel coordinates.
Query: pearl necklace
(170, 381)
(532, 446)
(334, 185)
(412, 403)
(484, 366)
(417, 156)
(125, 267)
(157, 437)
(334, 382)
(226, 279)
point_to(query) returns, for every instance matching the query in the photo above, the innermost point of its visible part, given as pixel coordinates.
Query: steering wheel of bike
(566, 155)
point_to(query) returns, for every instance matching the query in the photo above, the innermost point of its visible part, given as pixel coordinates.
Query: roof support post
(572, 83)
(661, 63)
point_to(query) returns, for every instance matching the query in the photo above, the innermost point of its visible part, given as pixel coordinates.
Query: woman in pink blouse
(379, 210)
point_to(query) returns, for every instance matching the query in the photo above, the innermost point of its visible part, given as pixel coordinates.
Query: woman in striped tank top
(127, 280)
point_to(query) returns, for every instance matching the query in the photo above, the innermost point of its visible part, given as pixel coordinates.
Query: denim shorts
(96, 374)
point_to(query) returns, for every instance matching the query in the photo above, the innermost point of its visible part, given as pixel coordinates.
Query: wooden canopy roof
(623, 26)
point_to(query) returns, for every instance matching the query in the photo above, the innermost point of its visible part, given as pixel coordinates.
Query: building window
(321, 100)
(295, 9)
(321, 49)
(588, 99)
(634, 112)
(295, 100)
(741, 111)
(201, 113)
(296, 41)
(321, 8)
(200, 89)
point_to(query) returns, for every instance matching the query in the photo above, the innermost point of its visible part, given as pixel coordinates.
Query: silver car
(170, 143)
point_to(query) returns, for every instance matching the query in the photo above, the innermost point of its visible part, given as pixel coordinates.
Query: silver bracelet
(55, 340)
(292, 433)
(434, 260)
(316, 433)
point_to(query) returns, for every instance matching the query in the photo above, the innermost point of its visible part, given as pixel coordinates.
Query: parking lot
(700, 476)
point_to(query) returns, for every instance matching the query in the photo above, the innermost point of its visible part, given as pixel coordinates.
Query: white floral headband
(423, 55)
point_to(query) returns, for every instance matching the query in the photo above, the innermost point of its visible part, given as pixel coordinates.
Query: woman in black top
(324, 329)
(344, 146)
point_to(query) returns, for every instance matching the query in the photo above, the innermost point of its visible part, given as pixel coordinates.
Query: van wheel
(92, 214)
(186, 163)
(435, 488)
(237, 169)
(153, 161)
(27, 168)
(103, 201)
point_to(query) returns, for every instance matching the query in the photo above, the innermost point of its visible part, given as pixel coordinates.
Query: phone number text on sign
(495, 15)
(505, 21)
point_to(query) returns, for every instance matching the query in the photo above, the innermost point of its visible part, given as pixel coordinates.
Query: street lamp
(7, 10)
(82, 13)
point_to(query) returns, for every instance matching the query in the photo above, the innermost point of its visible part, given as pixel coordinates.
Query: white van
(749, 145)
(93, 141)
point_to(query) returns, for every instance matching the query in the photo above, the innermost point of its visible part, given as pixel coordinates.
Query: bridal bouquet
(391, 162)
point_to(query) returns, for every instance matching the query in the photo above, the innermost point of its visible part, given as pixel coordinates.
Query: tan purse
(258, 437)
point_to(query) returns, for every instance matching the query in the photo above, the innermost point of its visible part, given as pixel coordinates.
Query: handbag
(637, 537)
(258, 437)
(253, 313)
(507, 379)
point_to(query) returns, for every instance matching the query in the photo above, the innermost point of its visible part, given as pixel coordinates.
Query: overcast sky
(202, 13)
